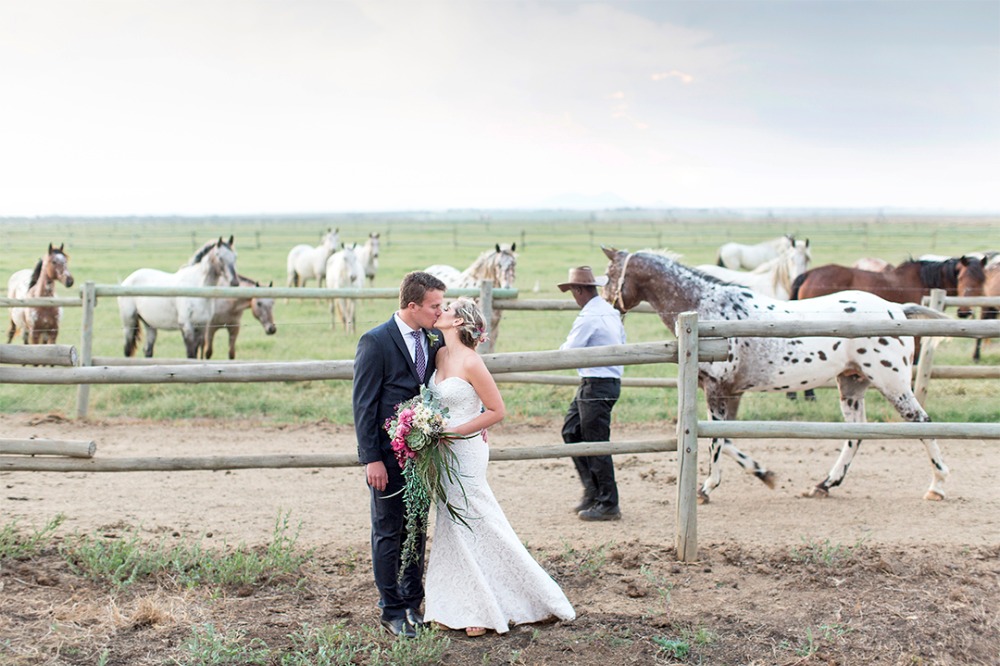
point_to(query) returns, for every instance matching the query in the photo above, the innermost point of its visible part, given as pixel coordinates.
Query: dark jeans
(388, 534)
(589, 420)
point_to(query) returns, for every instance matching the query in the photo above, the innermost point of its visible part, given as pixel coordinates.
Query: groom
(392, 362)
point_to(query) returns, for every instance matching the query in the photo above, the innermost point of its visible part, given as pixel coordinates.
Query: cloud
(672, 74)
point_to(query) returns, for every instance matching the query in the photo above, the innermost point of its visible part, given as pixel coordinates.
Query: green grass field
(106, 251)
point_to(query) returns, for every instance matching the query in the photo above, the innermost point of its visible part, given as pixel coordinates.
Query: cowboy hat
(583, 276)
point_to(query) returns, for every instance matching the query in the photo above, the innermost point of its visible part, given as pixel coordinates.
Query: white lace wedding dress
(484, 576)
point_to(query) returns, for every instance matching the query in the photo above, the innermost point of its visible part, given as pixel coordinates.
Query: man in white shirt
(589, 415)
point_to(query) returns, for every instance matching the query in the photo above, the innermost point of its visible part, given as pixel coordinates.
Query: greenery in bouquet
(423, 451)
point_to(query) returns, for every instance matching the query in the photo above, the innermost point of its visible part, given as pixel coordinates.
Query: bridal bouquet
(422, 449)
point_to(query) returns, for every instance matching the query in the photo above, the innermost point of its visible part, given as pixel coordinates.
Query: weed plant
(123, 561)
(825, 553)
(17, 546)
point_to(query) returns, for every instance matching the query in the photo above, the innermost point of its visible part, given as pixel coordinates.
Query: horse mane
(937, 274)
(206, 248)
(663, 252)
(674, 257)
(35, 275)
(796, 285)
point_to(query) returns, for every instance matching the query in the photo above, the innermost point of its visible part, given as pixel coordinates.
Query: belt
(599, 380)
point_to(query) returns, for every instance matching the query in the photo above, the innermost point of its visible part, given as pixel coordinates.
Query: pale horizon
(122, 108)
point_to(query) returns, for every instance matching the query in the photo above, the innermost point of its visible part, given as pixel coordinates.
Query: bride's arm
(489, 394)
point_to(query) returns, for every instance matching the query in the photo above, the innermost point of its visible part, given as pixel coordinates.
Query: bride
(478, 577)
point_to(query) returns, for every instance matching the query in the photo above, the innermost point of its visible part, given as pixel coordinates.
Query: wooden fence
(693, 345)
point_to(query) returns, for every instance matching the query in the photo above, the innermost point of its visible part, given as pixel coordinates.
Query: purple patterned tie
(418, 355)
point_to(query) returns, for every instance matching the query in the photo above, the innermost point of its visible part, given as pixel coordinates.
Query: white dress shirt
(406, 332)
(597, 325)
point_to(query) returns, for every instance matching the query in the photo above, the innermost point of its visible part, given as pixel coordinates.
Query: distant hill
(575, 201)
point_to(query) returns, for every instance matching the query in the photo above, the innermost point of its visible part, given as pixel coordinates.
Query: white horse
(497, 266)
(306, 262)
(215, 263)
(344, 271)
(368, 256)
(774, 277)
(748, 257)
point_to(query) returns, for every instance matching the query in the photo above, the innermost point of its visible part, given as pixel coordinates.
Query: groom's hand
(378, 477)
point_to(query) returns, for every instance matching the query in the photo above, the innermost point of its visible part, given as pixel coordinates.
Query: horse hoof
(702, 497)
(768, 479)
(933, 496)
(818, 491)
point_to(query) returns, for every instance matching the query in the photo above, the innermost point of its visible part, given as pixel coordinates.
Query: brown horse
(991, 287)
(39, 325)
(906, 283)
(229, 313)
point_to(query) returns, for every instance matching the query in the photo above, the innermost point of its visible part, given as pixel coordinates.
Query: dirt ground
(872, 575)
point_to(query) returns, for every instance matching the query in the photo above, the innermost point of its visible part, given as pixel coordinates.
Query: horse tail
(796, 285)
(914, 311)
(133, 333)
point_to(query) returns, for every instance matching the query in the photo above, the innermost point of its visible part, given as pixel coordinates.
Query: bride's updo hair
(473, 329)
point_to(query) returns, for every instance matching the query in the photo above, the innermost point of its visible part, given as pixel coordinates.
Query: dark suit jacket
(384, 376)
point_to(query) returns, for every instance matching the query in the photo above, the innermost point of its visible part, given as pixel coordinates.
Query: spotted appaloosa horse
(39, 325)
(780, 364)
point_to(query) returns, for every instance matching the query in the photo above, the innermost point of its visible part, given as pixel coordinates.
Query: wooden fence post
(926, 360)
(486, 305)
(687, 437)
(89, 296)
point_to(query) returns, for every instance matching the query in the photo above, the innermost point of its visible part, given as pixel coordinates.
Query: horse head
(58, 266)
(505, 265)
(222, 262)
(970, 278)
(263, 311)
(618, 291)
(331, 239)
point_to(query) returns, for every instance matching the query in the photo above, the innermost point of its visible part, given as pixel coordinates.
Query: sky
(217, 107)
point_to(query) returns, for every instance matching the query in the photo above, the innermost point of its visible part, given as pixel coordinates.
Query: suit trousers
(388, 533)
(589, 420)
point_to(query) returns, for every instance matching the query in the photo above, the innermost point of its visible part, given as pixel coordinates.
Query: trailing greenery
(106, 251)
(15, 545)
(825, 552)
(331, 645)
(123, 561)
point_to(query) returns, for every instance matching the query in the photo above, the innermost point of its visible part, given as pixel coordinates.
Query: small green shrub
(207, 647)
(15, 545)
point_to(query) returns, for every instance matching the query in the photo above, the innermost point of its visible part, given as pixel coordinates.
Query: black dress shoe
(598, 512)
(399, 627)
(415, 618)
(585, 503)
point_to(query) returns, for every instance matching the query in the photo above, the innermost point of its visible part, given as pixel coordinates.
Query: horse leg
(192, 339)
(348, 306)
(147, 349)
(724, 408)
(852, 406)
(234, 330)
(12, 332)
(906, 404)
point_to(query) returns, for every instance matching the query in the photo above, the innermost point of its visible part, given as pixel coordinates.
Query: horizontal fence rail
(630, 354)
(9, 463)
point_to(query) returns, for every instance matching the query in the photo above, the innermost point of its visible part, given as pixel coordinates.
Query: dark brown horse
(991, 287)
(906, 283)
